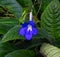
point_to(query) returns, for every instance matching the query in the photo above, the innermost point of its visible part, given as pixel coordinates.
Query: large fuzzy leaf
(6, 24)
(50, 19)
(14, 9)
(6, 48)
(13, 6)
(9, 21)
(12, 34)
(21, 53)
(50, 50)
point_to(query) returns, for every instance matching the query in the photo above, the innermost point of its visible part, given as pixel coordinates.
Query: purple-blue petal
(28, 35)
(22, 31)
(34, 30)
(25, 24)
(32, 23)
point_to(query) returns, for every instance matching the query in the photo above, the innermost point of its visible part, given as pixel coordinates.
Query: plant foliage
(46, 15)
(50, 19)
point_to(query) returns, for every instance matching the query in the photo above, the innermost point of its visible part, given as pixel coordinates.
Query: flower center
(29, 28)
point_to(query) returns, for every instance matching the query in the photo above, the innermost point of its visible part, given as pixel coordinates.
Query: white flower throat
(29, 28)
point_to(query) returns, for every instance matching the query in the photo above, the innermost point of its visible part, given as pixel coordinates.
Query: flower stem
(30, 16)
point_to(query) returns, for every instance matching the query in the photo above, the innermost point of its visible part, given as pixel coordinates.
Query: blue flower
(28, 30)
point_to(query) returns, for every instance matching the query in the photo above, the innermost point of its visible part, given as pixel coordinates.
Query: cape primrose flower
(28, 30)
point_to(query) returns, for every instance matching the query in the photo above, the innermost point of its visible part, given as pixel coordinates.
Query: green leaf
(4, 28)
(25, 3)
(50, 50)
(21, 53)
(6, 48)
(9, 21)
(6, 24)
(12, 34)
(13, 6)
(44, 4)
(50, 19)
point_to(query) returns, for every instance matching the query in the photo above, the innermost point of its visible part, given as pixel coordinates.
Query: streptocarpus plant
(15, 40)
